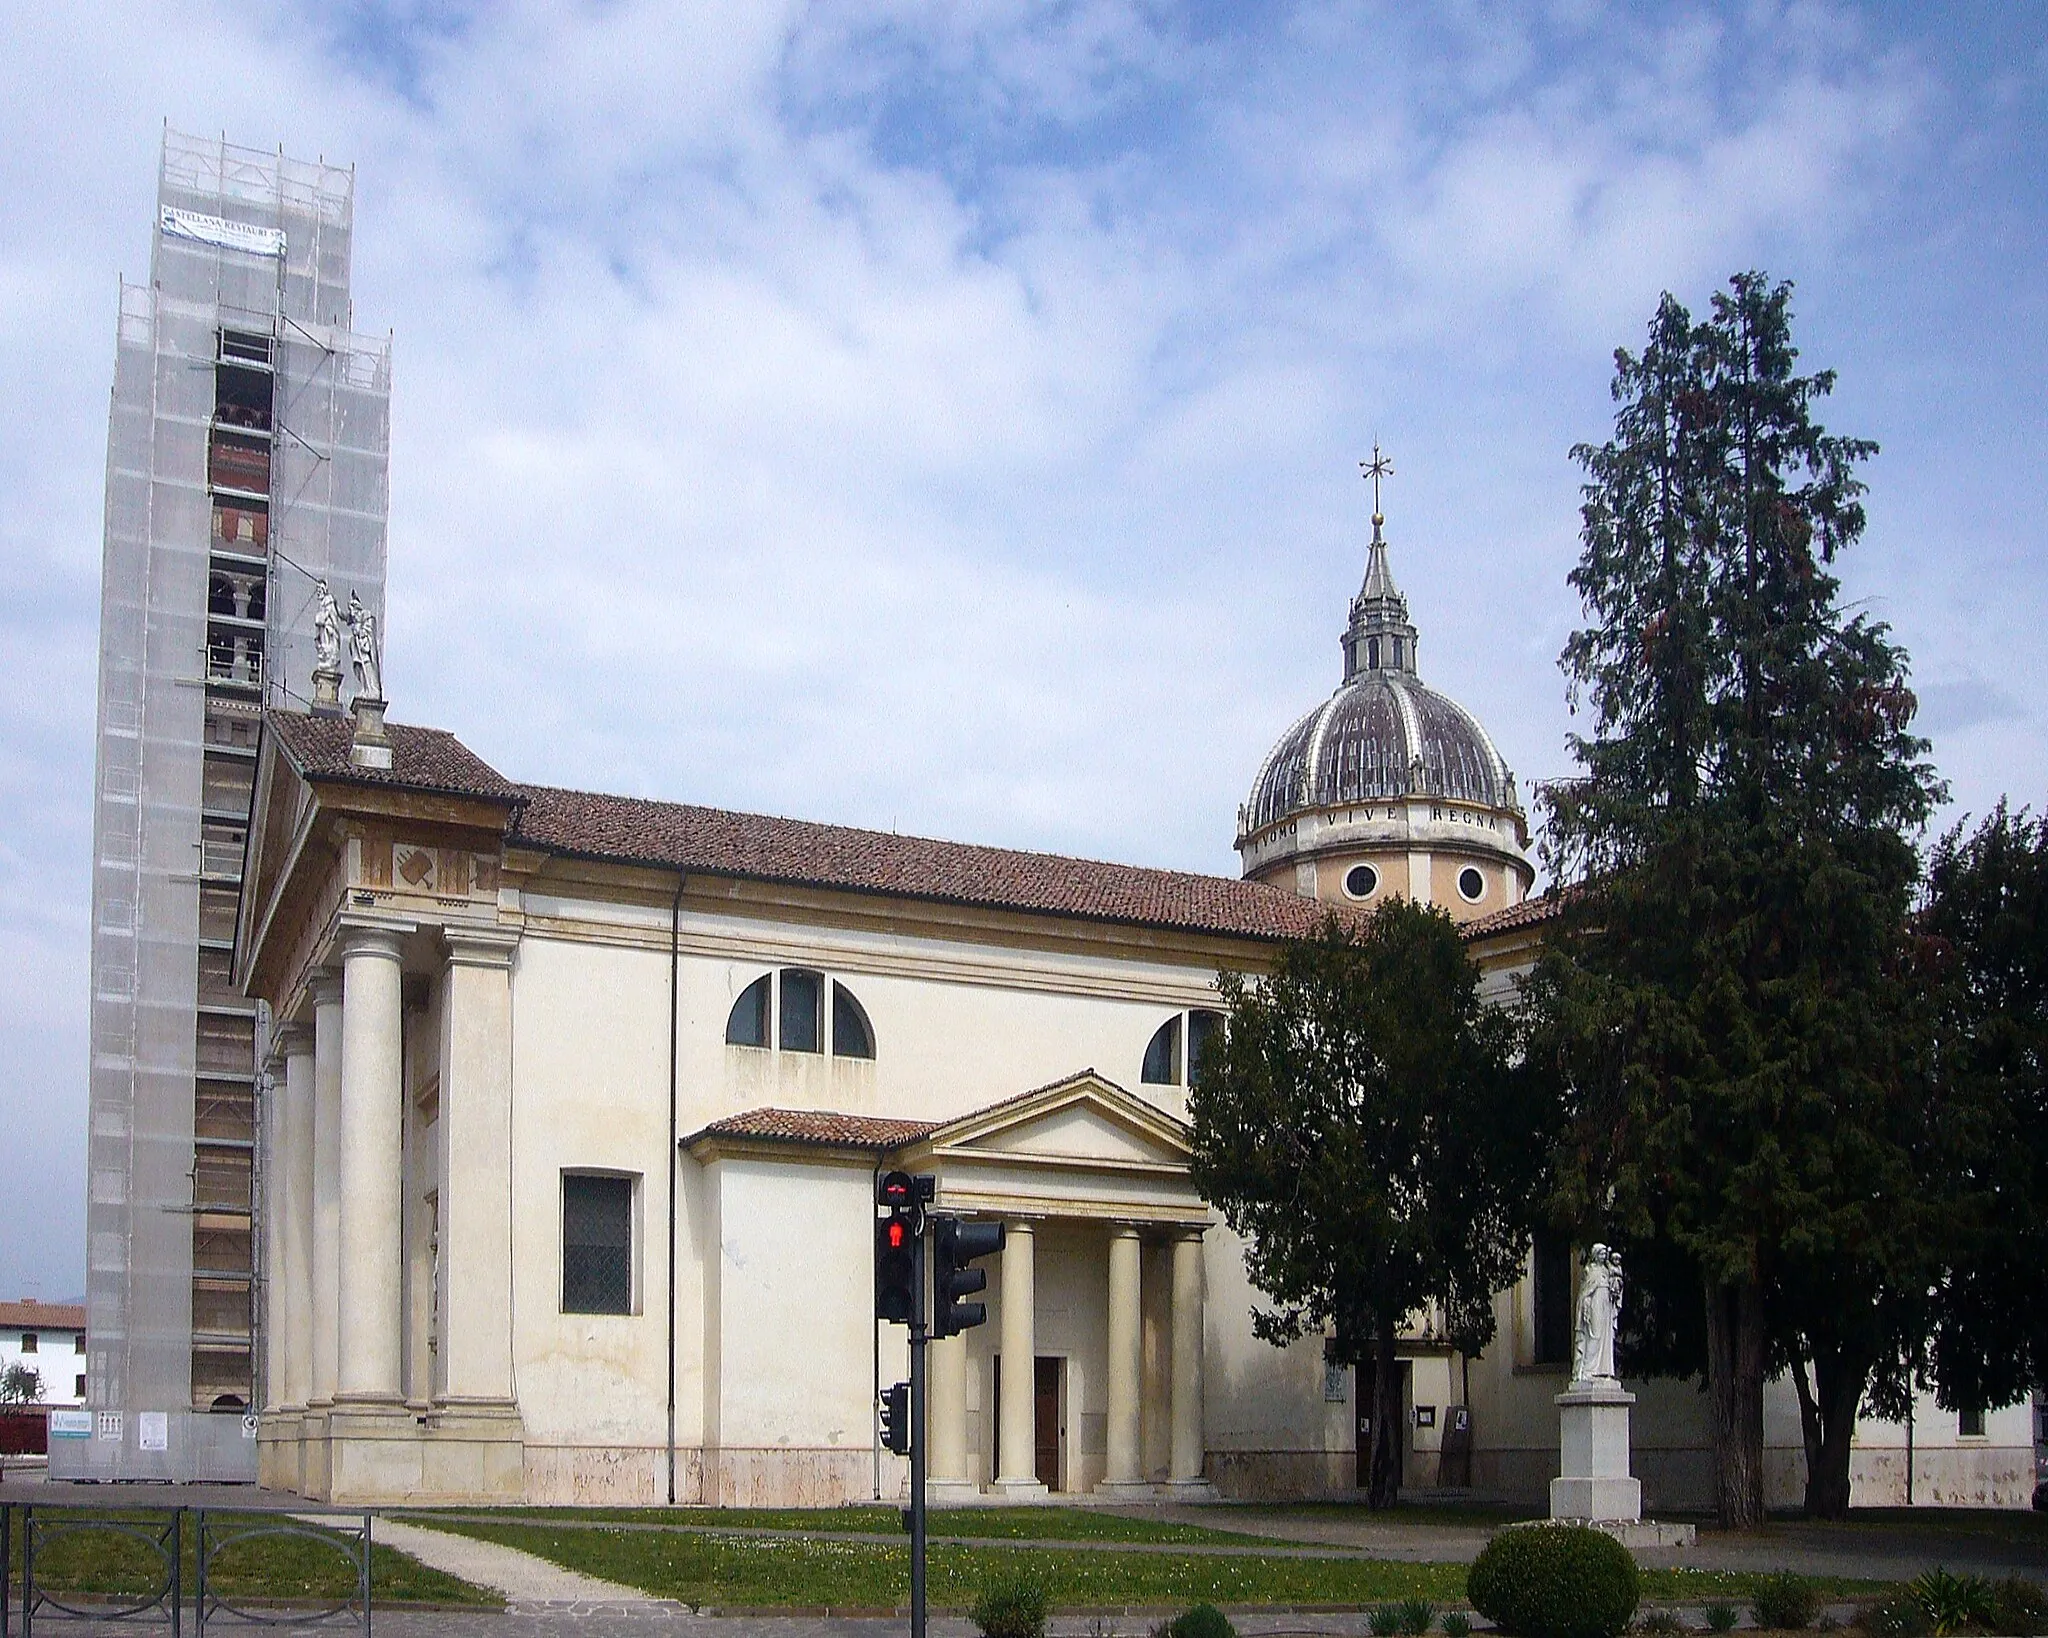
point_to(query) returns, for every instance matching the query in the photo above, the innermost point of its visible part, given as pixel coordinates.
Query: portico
(1059, 1392)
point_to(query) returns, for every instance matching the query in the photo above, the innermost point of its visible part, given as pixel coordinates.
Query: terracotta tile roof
(428, 759)
(30, 1315)
(818, 1128)
(711, 841)
(1529, 913)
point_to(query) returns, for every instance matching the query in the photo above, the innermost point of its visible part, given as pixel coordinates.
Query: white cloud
(924, 414)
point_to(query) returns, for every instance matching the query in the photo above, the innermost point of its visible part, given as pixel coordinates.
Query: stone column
(270, 1372)
(1184, 1468)
(475, 1332)
(1020, 1365)
(372, 1166)
(326, 1292)
(951, 1476)
(288, 1200)
(1124, 1471)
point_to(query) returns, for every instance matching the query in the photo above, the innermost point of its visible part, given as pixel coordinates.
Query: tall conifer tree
(1725, 997)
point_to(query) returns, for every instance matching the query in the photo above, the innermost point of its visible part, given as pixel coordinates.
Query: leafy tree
(1360, 1123)
(20, 1384)
(1726, 1001)
(1987, 915)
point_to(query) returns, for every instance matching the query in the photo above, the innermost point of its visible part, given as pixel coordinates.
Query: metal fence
(157, 1539)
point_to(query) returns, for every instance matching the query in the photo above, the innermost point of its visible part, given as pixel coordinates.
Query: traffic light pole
(917, 1453)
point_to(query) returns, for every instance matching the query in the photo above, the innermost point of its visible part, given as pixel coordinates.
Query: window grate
(597, 1244)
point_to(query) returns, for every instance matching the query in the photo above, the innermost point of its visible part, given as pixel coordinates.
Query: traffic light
(954, 1246)
(895, 1268)
(896, 1418)
(897, 1297)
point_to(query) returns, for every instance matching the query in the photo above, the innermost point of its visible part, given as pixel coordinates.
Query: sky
(944, 415)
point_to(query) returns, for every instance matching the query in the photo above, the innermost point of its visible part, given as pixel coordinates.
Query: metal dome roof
(1383, 734)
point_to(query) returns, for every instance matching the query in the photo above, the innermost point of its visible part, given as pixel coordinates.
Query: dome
(1383, 734)
(1387, 785)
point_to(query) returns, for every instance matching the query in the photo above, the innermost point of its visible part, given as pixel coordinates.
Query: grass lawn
(971, 1523)
(100, 1564)
(731, 1572)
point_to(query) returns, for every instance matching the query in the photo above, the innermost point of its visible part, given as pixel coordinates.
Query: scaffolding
(247, 457)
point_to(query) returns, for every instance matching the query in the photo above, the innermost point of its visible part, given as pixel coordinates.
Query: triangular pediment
(281, 806)
(1083, 1120)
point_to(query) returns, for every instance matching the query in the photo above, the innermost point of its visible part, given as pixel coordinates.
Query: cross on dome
(1380, 636)
(1380, 466)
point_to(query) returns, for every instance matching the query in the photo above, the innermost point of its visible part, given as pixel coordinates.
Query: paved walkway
(520, 1578)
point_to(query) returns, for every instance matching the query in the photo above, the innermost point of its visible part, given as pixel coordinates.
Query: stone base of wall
(372, 1454)
(1961, 1476)
(1681, 1478)
(1280, 1475)
(611, 1476)
(788, 1478)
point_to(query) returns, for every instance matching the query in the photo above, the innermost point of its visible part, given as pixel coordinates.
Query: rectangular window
(78, 1346)
(597, 1244)
(1970, 1424)
(29, 1342)
(78, 1387)
(1550, 1301)
(801, 994)
(244, 347)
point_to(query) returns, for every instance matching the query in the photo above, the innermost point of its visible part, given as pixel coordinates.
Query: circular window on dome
(1361, 881)
(1471, 885)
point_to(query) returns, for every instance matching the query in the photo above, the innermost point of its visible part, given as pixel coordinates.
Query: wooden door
(1362, 1402)
(1047, 1422)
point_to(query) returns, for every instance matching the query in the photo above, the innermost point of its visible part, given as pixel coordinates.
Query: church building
(580, 1101)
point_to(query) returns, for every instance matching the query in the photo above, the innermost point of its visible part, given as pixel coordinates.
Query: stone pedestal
(326, 691)
(1593, 1448)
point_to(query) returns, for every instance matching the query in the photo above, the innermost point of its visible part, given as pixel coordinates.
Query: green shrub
(1953, 1603)
(1784, 1602)
(1457, 1624)
(1660, 1624)
(1203, 1621)
(1899, 1616)
(1722, 1616)
(1385, 1621)
(1011, 1608)
(2019, 1609)
(1417, 1615)
(1554, 1581)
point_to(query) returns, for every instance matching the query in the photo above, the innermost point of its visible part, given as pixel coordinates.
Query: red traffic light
(897, 1232)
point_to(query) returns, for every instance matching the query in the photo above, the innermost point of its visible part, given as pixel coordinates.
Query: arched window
(220, 595)
(748, 1023)
(1162, 1055)
(785, 1011)
(852, 1035)
(1203, 1028)
(1372, 653)
(1164, 1064)
(797, 1023)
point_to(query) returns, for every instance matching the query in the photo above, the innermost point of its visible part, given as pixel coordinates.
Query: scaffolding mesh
(247, 455)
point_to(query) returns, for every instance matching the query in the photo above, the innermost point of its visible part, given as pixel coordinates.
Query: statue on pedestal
(1599, 1315)
(362, 646)
(326, 650)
